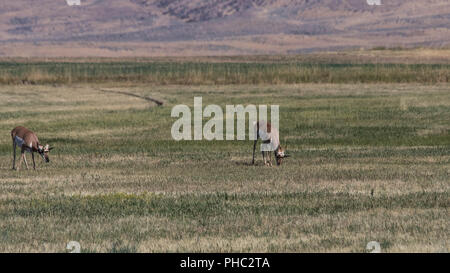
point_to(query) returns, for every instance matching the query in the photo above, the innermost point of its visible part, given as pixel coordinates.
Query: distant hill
(216, 27)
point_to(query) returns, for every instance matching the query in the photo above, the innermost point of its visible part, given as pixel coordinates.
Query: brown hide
(27, 135)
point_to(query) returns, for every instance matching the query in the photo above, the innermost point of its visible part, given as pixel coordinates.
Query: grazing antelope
(28, 142)
(271, 137)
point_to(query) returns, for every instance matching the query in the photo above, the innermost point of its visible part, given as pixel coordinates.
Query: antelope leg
(34, 163)
(25, 159)
(254, 148)
(14, 153)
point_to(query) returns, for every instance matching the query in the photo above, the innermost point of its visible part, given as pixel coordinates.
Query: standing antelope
(271, 137)
(28, 141)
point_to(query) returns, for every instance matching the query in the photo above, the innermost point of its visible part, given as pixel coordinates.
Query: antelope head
(43, 151)
(280, 154)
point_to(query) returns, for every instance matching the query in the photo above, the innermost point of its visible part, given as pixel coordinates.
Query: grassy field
(370, 162)
(428, 66)
(191, 72)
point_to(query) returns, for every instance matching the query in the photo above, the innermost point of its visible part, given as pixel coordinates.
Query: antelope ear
(51, 148)
(286, 156)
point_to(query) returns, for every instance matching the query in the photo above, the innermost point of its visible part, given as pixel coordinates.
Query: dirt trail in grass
(158, 102)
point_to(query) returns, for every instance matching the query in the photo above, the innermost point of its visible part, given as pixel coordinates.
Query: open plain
(369, 146)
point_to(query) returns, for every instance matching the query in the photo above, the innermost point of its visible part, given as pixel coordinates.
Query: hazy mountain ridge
(245, 26)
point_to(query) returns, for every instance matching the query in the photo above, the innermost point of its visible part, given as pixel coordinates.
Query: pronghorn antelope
(28, 142)
(271, 137)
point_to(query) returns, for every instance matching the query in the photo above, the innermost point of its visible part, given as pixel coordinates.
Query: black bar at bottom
(199, 262)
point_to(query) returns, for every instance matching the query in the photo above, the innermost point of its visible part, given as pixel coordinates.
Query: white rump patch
(19, 142)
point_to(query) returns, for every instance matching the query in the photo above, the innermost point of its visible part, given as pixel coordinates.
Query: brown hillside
(217, 27)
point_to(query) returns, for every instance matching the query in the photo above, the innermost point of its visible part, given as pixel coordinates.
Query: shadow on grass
(247, 163)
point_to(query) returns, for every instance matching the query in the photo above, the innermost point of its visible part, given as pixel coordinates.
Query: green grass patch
(219, 204)
(194, 73)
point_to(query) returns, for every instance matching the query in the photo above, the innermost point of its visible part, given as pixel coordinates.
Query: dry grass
(385, 56)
